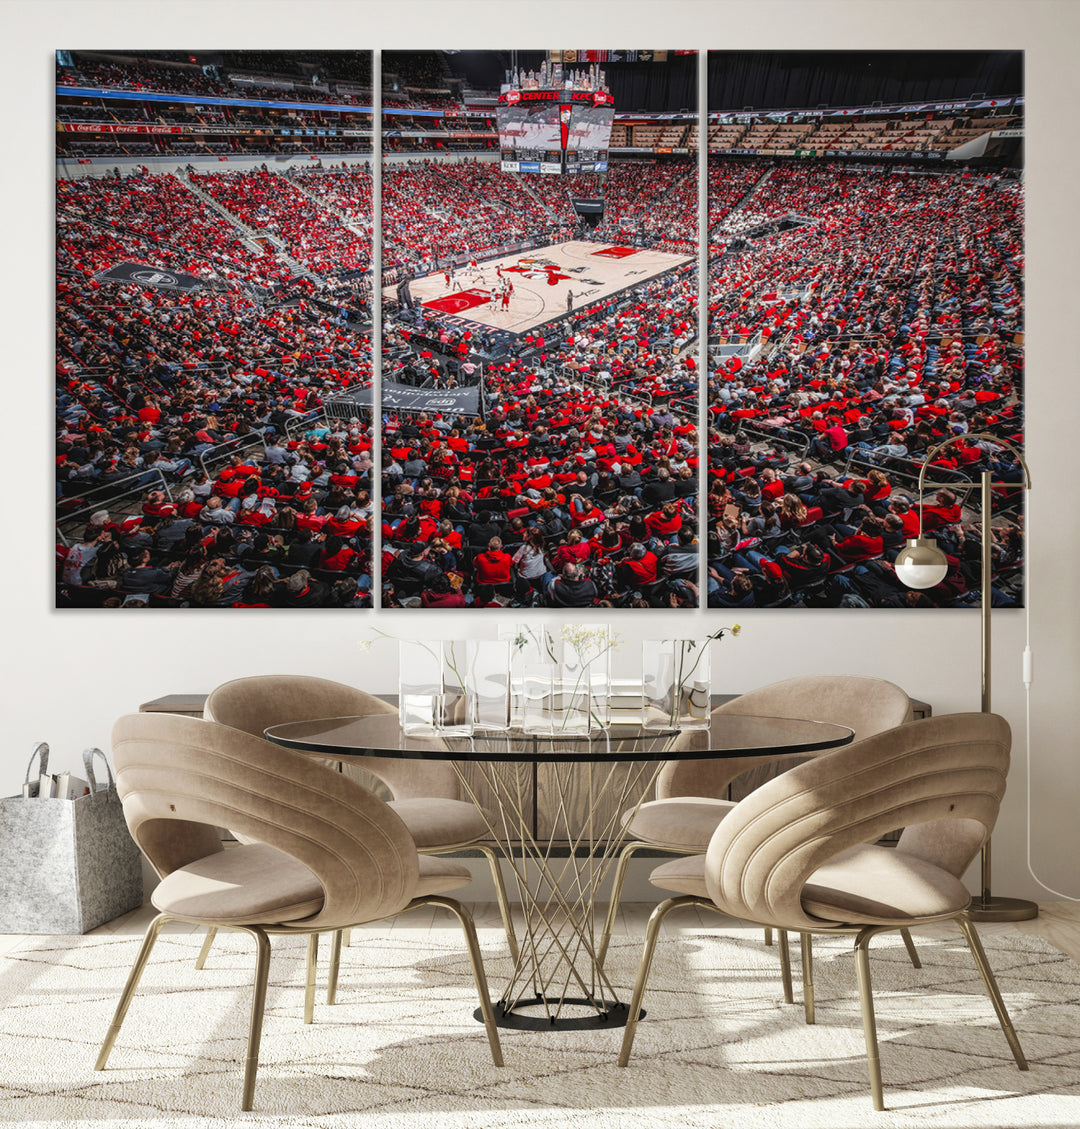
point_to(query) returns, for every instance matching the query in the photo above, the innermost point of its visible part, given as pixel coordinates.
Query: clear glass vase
(488, 677)
(677, 683)
(458, 698)
(538, 682)
(573, 701)
(585, 652)
(434, 692)
(419, 686)
(529, 646)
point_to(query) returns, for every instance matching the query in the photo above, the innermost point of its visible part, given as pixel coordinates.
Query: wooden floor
(579, 268)
(1058, 923)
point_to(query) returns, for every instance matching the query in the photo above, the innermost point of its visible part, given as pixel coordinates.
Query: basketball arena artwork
(551, 427)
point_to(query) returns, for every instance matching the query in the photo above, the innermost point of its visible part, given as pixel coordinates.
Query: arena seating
(859, 313)
(153, 385)
(891, 320)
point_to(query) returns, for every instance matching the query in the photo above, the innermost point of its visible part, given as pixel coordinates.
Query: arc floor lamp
(922, 564)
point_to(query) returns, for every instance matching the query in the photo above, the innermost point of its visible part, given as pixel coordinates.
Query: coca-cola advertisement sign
(119, 127)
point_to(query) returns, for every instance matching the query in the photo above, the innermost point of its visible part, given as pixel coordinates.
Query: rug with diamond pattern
(719, 1048)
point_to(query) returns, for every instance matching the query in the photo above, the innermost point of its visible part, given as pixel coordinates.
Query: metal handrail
(108, 489)
(222, 451)
(955, 480)
(304, 421)
(801, 444)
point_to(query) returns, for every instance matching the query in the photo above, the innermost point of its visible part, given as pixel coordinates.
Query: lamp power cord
(1028, 676)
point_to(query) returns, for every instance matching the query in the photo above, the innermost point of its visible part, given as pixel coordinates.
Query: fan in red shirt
(640, 568)
(945, 512)
(865, 543)
(665, 522)
(336, 555)
(575, 551)
(494, 566)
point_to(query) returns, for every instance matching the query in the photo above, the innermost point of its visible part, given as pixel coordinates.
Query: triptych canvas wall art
(425, 329)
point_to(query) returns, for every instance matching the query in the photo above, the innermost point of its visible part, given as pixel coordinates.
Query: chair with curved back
(321, 852)
(691, 795)
(426, 793)
(801, 852)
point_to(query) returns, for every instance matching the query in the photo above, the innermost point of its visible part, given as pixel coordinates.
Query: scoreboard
(555, 131)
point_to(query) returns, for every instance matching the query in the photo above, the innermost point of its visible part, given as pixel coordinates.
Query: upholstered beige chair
(801, 854)
(322, 852)
(691, 795)
(426, 794)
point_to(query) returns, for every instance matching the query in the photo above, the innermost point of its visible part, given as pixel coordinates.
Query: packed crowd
(347, 190)
(157, 75)
(891, 322)
(436, 209)
(728, 183)
(288, 528)
(563, 496)
(209, 396)
(162, 214)
(313, 236)
(136, 74)
(653, 200)
(433, 210)
(579, 485)
(890, 319)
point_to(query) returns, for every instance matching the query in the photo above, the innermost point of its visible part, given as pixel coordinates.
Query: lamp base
(1002, 909)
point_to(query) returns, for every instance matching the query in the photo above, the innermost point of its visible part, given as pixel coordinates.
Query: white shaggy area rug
(719, 1048)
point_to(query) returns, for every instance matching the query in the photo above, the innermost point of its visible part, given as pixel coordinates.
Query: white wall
(67, 675)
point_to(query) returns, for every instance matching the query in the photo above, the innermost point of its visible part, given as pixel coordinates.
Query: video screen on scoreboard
(590, 131)
(529, 129)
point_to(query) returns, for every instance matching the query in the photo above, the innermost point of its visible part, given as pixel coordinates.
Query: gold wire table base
(558, 980)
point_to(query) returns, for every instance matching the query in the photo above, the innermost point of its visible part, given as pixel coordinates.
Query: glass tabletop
(728, 735)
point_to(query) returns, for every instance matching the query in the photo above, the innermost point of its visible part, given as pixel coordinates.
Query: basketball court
(542, 279)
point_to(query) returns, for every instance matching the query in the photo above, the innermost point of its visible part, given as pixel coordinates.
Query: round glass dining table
(593, 785)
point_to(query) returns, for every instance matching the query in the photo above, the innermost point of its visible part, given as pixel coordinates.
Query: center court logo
(154, 278)
(145, 274)
(539, 269)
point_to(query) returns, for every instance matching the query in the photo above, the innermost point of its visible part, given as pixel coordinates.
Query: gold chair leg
(493, 857)
(258, 1009)
(912, 952)
(656, 919)
(469, 929)
(346, 938)
(866, 1003)
(258, 1000)
(204, 952)
(335, 965)
(992, 990)
(806, 947)
(134, 976)
(768, 935)
(785, 966)
(616, 895)
(309, 990)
